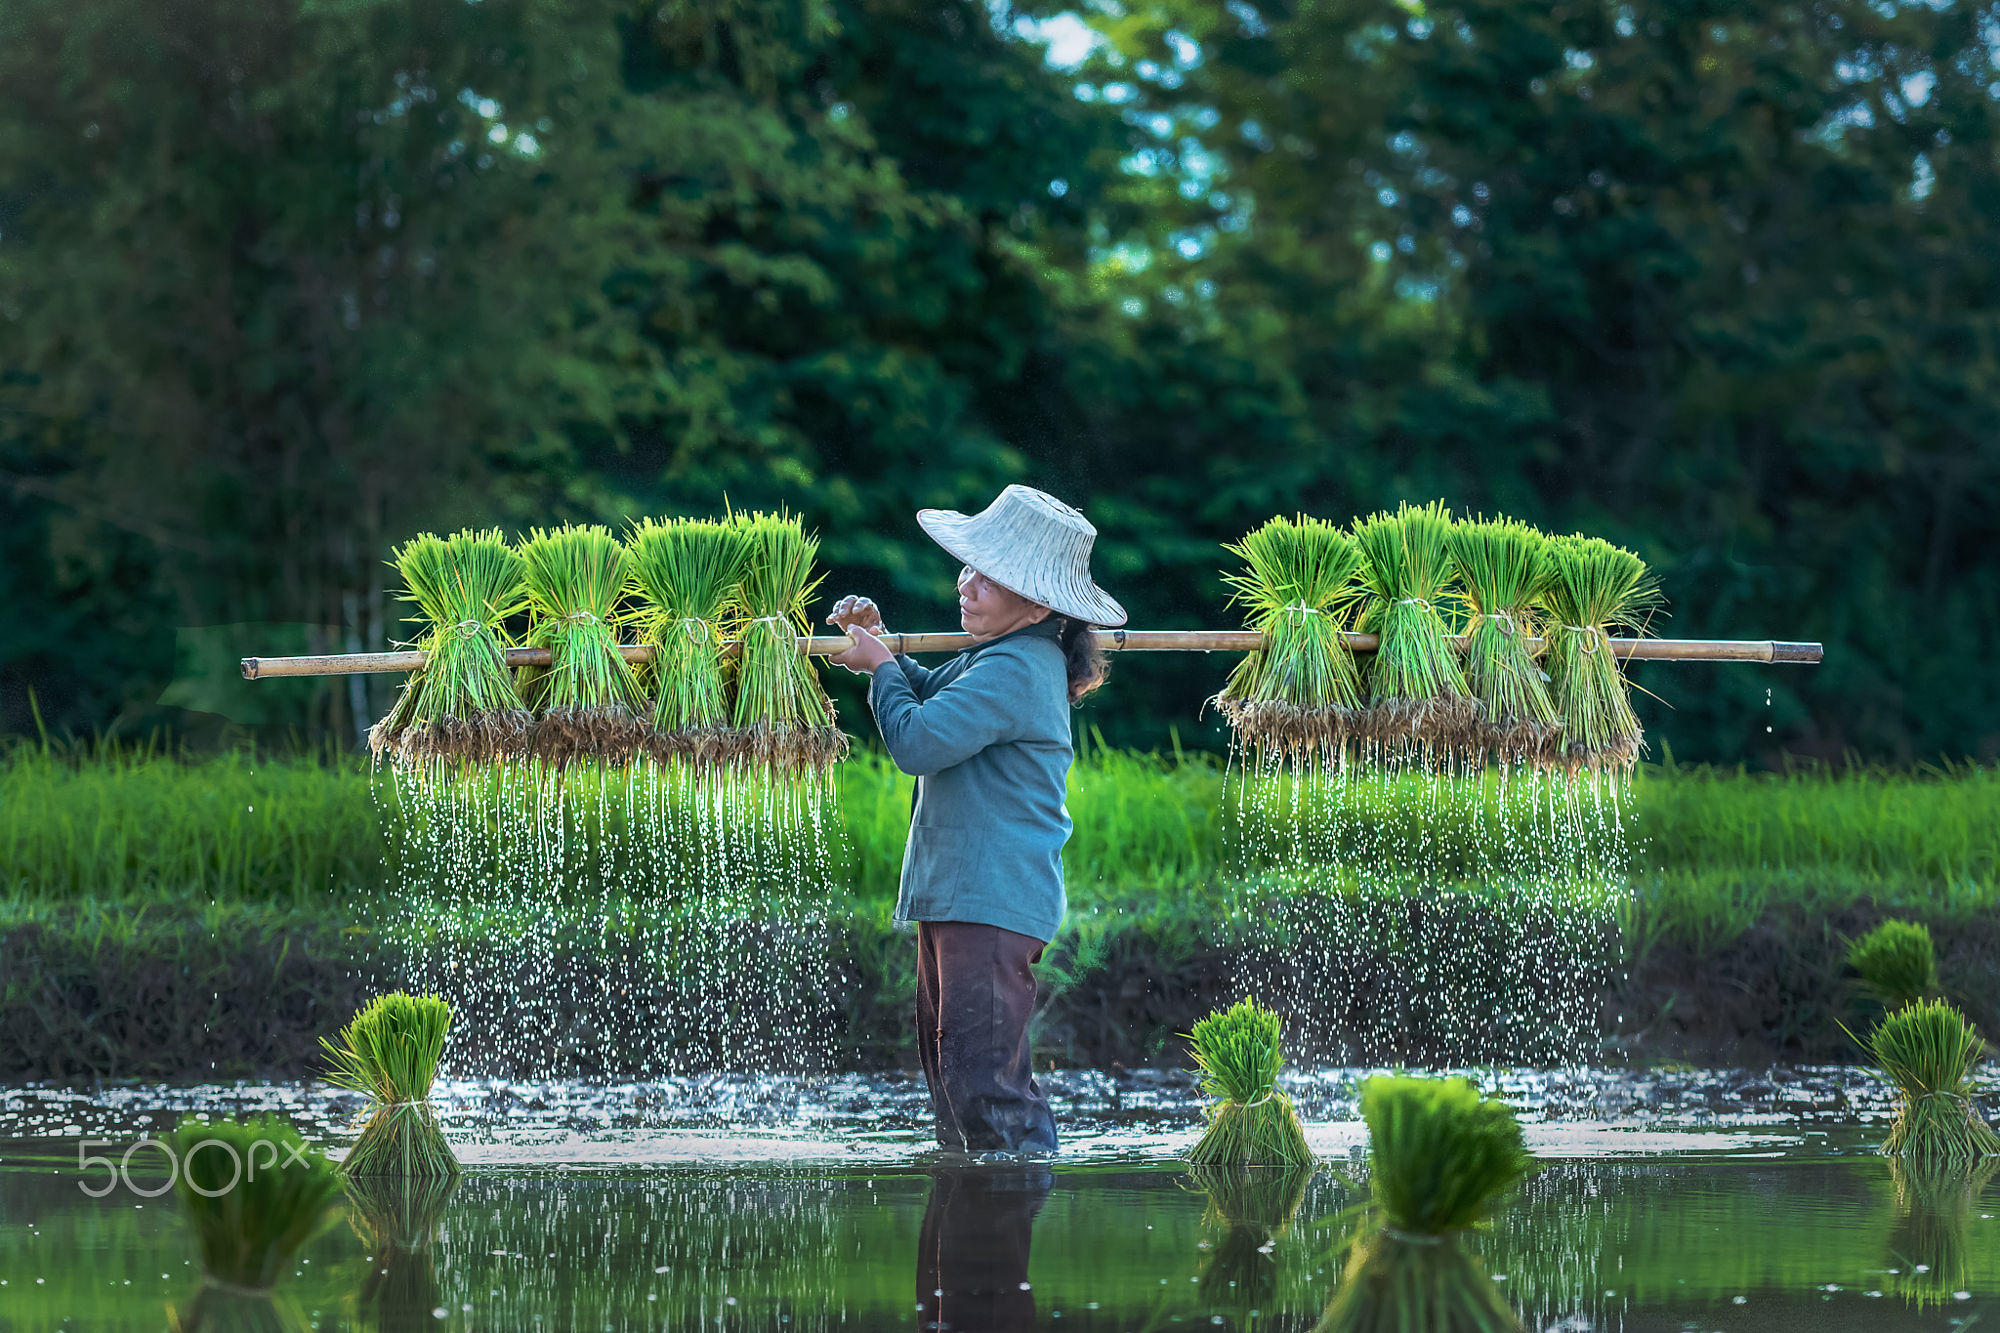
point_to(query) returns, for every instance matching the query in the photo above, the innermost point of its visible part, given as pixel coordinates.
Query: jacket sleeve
(976, 709)
(919, 676)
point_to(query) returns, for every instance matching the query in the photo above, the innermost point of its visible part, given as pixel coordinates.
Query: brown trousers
(975, 994)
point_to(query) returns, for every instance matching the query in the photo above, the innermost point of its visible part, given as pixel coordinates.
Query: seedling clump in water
(390, 1052)
(1897, 962)
(1252, 1122)
(1440, 1156)
(1928, 1050)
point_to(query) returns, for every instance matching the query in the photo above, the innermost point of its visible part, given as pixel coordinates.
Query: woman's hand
(850, 611)
(862, 621)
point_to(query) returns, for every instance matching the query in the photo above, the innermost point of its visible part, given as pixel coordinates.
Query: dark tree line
(281, 284)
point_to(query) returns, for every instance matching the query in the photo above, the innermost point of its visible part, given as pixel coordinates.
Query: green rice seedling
(1594, 588)
(1417, 695)
(786, 720)
(1930, 1242)
(254, 1193)
(1249, 1208)
(1928, 1050)
(1297, 694)
(390, 1052)
(1440, 1156)
(588, 703)
(463, 705)
(687, 572)
(1897, 962)
(1503, 567)
(1251, 1122)
(397, 1218)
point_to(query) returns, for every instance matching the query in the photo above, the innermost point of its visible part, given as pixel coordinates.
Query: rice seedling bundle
(1897, 962)
(787, 721)
(254, 1193)
(1930, 1245)
(1297, 694)
(390, 1052)
(463, 704)
(1417, 695)
(1928, 1050)
(1594, 588)
(687, 572)
(1252, 1122)
(588, 703)
(1248, 1209)
(1502, 569)
(1440, 1156)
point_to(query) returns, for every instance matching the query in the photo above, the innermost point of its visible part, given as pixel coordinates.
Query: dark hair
(1081, 655)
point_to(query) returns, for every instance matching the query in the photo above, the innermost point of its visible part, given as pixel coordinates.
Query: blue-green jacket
(987, 736)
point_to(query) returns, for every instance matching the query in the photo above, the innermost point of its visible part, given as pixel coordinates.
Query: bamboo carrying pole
(1111, 640)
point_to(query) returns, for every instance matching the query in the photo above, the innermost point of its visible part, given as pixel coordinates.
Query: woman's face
(986, 610)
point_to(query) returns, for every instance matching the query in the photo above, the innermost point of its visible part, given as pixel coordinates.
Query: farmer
(987, 736)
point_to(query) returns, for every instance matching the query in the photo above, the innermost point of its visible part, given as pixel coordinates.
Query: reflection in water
(1930, 1244)
(1249, 1208)
(972, 1254)
(1397, 1281)
(221, 1308)
(398, 1219)
(1742, 1246)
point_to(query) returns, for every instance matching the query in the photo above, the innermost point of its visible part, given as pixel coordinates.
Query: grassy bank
(1715, 850)
(149, 901)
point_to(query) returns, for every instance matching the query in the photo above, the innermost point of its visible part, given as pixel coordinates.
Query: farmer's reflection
(972, 1255)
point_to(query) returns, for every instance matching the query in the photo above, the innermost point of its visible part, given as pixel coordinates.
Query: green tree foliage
(282, 282)
(1714, 281)
(281, 285)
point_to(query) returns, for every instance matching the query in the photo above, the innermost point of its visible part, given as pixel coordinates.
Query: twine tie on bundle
(1410, 1237)
(467, 628)
(694, 620)
(1301, 608)
(1415, 601)
(1960, 1098)
(580, 618)
(1505, 620)
(1586, 629)
(1261, 1100)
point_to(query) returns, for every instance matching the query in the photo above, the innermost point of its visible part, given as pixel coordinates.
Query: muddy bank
(247, 992)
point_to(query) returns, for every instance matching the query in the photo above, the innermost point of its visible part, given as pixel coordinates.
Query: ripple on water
(1142, 1114)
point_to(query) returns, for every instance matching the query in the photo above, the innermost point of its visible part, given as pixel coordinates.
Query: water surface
(637, 1207)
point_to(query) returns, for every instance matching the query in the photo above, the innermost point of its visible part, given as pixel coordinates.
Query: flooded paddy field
(1672, 1201)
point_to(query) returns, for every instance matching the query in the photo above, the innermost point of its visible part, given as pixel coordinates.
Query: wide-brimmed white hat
(1033, 545)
